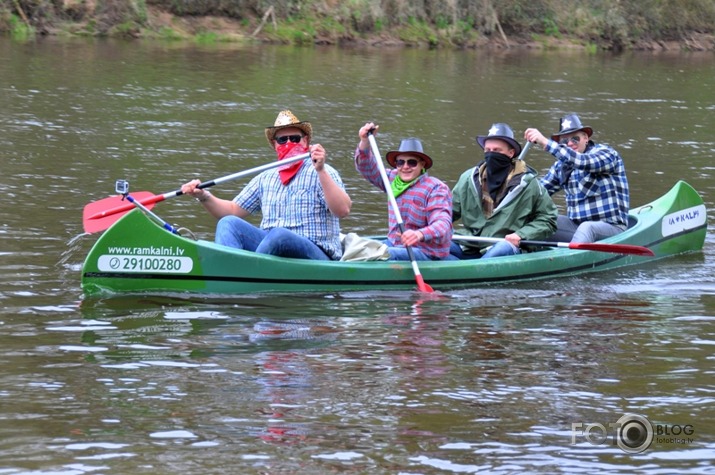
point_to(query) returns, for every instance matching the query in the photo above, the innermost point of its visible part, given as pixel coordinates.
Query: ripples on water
(366, 382)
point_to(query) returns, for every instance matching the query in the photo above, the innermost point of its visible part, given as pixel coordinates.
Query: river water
(499, 379)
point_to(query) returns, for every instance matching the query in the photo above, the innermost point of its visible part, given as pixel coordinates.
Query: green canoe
(136, 255)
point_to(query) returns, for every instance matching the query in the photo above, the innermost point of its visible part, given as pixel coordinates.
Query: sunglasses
(574, 139)
(285, 138)
(412, 162)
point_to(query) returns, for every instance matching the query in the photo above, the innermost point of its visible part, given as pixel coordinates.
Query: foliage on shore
(591, 24)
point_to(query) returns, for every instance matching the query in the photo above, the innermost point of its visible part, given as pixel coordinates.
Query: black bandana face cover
(498, 167)
(497, 161)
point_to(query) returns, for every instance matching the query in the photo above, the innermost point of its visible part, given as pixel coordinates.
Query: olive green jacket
(527, 209)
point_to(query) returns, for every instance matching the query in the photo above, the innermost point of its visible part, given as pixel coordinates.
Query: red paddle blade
(93, 225)
(422, 285)
(614, 248)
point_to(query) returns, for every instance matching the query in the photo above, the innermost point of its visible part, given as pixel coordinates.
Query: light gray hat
(412, 146)
(503, 132)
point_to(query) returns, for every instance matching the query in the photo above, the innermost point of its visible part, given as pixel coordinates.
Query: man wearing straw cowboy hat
(301, 204)
(593, 177)
(501, 198)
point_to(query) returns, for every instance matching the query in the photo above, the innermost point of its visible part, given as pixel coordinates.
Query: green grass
(169, 34)
(19, 31)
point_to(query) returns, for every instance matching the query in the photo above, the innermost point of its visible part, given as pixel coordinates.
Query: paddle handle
(524, 150)
(386, 182)
(251, 171)
(241, 174)
(581, 246)
(523, 242)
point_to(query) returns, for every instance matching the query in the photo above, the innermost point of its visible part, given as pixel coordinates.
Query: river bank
(227, 29)
(157, 22)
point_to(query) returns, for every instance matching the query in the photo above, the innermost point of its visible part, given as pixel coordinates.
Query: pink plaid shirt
(425, 206)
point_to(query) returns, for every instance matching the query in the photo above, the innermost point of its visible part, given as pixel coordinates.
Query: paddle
(583, 246)
(421, 285)
(99, 215)
(524, 150)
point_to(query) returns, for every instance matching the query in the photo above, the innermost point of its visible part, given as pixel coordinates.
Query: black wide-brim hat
(500, 131)
(412, 146)
(569, 124)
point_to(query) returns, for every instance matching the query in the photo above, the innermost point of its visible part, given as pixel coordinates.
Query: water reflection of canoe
(136, 255)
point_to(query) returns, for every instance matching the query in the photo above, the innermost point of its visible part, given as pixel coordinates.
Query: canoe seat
(632, 221)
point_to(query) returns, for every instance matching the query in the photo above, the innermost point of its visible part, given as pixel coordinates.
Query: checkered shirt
(425, 206)
(595, 183)
(299, 206)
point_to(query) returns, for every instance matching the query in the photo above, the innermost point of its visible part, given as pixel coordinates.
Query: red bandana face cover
(288, 150)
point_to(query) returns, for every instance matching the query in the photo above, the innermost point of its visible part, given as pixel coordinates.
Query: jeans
(235, 232)
(400, 254)
(455, 250)
(588, 231)
(502, 248)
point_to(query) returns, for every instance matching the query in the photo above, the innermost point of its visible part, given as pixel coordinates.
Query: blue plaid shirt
(595, 183)
(299, 206)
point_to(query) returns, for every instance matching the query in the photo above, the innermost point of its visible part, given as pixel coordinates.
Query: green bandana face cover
(399, 186)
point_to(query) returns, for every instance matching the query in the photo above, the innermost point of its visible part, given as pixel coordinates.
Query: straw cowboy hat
(284, 120)
(569, 124)
(412, 146)
(503, 132)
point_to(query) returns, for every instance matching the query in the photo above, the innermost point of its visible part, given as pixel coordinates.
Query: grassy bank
(590, 24)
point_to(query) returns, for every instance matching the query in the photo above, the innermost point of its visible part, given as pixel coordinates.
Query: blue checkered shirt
(595, 183)
(299, 206)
